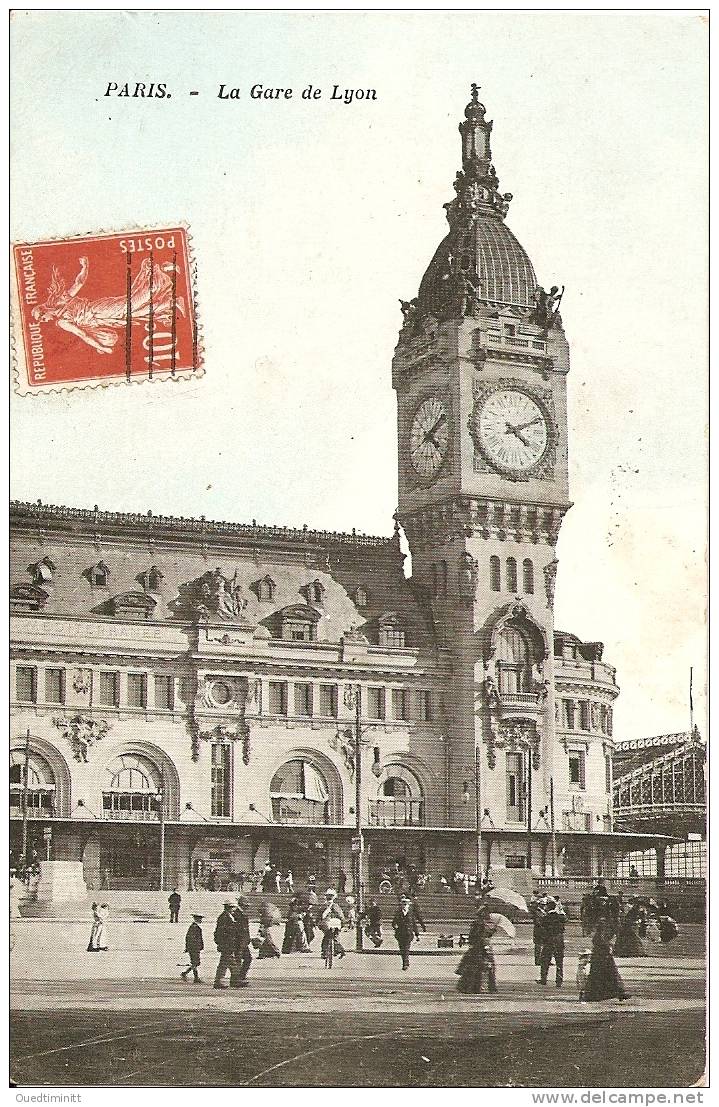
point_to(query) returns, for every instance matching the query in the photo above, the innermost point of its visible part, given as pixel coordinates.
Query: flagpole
(691, 703)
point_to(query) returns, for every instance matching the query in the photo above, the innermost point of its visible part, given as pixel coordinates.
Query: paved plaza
(125, 1017)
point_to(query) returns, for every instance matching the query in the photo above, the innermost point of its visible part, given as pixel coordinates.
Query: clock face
(512, 430)
(429, 437)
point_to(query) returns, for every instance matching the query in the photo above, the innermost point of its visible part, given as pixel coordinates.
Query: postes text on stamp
(105, 308)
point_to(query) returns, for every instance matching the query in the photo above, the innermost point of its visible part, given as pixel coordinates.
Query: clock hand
(523, 426)
(430, 433)
(518, 434)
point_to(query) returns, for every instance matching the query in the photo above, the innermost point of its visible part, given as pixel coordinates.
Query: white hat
(331, 892)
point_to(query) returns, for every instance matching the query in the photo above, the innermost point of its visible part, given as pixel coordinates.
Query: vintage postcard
(358, 392)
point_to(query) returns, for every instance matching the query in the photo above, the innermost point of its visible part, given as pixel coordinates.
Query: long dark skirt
(476, 969)
(629, 944)
(604, 981)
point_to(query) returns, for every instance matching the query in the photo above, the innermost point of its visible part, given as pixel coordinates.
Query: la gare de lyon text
(158, 90)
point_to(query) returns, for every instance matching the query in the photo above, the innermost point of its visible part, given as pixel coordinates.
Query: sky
(310, 219)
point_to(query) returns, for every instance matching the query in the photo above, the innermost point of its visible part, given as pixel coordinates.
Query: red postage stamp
(105, 308)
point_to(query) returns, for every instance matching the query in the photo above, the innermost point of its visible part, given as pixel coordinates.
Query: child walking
(194, 945)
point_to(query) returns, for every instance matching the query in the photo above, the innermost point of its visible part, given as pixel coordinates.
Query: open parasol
(500, 924)
(506, 898)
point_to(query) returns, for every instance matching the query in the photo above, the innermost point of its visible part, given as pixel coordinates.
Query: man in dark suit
(174, 900)
(194, 946)
(226, 942)
(406, 928)
(552, 932)
(242, 943)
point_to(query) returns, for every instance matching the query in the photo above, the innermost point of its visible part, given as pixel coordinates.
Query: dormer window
(132, 605)
(99, 575)
(297, 623)
(314, 592)
(42, 572)
(265, 588)
(391, 631)
(361, 597)
(151, 580)
(26, 597)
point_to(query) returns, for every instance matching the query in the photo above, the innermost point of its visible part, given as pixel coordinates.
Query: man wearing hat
(226, 942)
(406, 928)
(552, 931)
(242, 943)
(194, 945)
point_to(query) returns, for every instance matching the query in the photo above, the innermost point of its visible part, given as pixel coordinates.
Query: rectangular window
(164, 693)
(515, 787)
(425, 706)
(400, 703)
(107, 693)
(136, 690)
(303, 699)
(221, 780)
(328, 700)
(569, 714)
(584, 715)
(54, 686)
(375, 703)
(576, 769)
(278, 697)
(26, 683)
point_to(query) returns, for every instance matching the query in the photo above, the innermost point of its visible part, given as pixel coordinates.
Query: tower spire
(475, 131)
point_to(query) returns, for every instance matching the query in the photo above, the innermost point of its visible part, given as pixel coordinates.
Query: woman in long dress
(295, 940)
(478, 964)
(632, 931)
(604, 981)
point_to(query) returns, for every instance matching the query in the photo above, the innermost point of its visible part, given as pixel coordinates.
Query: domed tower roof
(480, 261)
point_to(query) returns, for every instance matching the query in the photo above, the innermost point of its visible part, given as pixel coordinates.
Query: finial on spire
(475, 92)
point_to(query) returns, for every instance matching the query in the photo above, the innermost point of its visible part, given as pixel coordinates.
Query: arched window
(514, 661)
(133, 789)
(511, 575)
(435, 580)
(494, 574)
(443, 579)
(399, 799)
(299, 794)
(151, 580)
(40, 783)
(265, 588)
(528, 576)
(99, 575)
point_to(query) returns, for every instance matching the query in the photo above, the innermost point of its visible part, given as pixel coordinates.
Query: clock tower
(480, 373)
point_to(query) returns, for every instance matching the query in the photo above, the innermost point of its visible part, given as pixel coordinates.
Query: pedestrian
(372, 915)
(585, 960)
(226, 941)
(289, 881)
(174, 900)
(405, 928)
(278, 881)
(243, 956)
(537, 908)
(477, 964)
(342, 882)
(308, 921)
(105, 882)
(631, 930)
(330, 911)
(552, 934)
(350, 912)
(295, 939)
(265, 941)
(604, 981)
(194, 945)
(96, 931)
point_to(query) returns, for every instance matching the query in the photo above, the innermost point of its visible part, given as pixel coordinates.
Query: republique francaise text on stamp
(103, 308)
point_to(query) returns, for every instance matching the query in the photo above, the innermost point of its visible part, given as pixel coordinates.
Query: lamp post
(25, 780)
(477, 811)
(353, 700)
(161, 810)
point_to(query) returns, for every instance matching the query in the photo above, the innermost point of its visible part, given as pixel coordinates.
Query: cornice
(469, 516)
